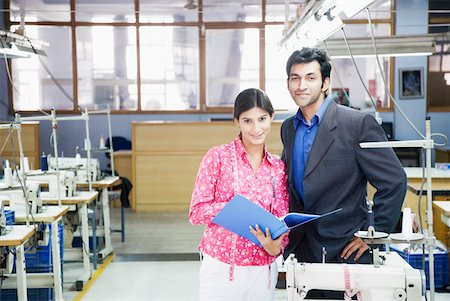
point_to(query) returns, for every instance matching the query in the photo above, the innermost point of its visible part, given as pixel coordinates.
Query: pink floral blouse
(214, 188)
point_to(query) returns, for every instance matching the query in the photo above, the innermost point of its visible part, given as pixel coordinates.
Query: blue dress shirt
(304, 138)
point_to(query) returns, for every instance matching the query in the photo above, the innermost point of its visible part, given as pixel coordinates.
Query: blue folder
(240, 213)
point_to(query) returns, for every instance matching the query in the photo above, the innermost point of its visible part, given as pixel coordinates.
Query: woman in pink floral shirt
(233, 268)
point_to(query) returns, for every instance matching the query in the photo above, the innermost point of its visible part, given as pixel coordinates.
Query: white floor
(140, 269)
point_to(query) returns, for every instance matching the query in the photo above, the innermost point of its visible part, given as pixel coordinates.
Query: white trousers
(250, 282)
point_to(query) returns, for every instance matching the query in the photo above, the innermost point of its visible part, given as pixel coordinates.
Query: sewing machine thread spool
(407, 223)
(44, 162)
(77, 156)
(102, 142)
(26, 165)
(8, 177)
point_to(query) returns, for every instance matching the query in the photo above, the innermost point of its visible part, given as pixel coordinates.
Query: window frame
(202, 28)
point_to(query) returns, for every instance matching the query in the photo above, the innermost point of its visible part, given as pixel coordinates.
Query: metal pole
(429, 208)
(22, 164)
(111, 148)
(55, 151)
(88, 150)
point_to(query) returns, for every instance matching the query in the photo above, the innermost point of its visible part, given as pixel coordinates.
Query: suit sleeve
(384, 172)
(204, 206)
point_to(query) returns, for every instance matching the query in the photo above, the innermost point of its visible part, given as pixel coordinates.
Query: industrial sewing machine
(79, 166)
(67, 182)
(17, 199)
(395, 279)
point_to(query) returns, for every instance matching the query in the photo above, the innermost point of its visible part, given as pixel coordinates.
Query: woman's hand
(272, 247)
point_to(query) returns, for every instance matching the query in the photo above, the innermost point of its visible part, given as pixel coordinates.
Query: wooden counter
(166, 157)
(30, 143)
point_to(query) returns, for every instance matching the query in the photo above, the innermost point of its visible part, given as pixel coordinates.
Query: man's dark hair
(308, 55)
(249, 99)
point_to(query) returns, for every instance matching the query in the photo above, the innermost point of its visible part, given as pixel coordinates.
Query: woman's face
(255, 125)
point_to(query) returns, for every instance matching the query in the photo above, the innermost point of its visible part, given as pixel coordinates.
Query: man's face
(305, 84)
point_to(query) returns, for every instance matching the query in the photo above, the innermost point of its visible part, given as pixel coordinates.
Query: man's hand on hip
(356, 244)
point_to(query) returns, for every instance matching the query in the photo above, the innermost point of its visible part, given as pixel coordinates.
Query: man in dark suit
(327, 169)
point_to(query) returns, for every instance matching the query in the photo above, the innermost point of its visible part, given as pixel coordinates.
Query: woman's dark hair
(252, 98)
(308, 55)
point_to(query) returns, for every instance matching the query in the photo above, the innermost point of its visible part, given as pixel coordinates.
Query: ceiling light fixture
(408, 45)
(13, 45)
(320, 19)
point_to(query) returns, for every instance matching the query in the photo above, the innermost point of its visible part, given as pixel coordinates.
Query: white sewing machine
(394, 280)
(79, 165)
(17, 198)
(67, 182)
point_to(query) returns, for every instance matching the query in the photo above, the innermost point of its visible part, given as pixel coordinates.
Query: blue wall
(415, 109)
(412, 18)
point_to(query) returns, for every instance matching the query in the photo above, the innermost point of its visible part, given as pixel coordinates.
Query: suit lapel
(323, 140)
(289, 140)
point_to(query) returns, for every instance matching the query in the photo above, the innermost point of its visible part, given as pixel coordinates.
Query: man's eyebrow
(296, 74)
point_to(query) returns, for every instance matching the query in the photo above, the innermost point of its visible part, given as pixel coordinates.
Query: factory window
(168, 56)
(151, 11)
(232, 11)
(96, 11)
(232, 64)
(33, 87)
(106, 62)
(169, 68)
(33, 11)
(276, 58)
(275, 12)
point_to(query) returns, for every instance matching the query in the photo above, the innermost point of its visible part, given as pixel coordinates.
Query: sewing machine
(395, 279)
(17, 198)
(67, 182)
(79, 165)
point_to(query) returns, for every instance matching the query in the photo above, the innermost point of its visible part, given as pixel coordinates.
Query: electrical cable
(60, 87)
(337, 76)
(357, 69)
(22, 187)
(387, 88)
(419, 203)
(383, 78)
(7, 139)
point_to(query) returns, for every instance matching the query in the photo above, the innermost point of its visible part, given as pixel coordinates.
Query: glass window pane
(101, 11)
(275, 10)
(106, 59)
(169, 67)
(40, 10)
(33, 87)
(168, 11)
(232, 64)
(276, 58)
(231, 11)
